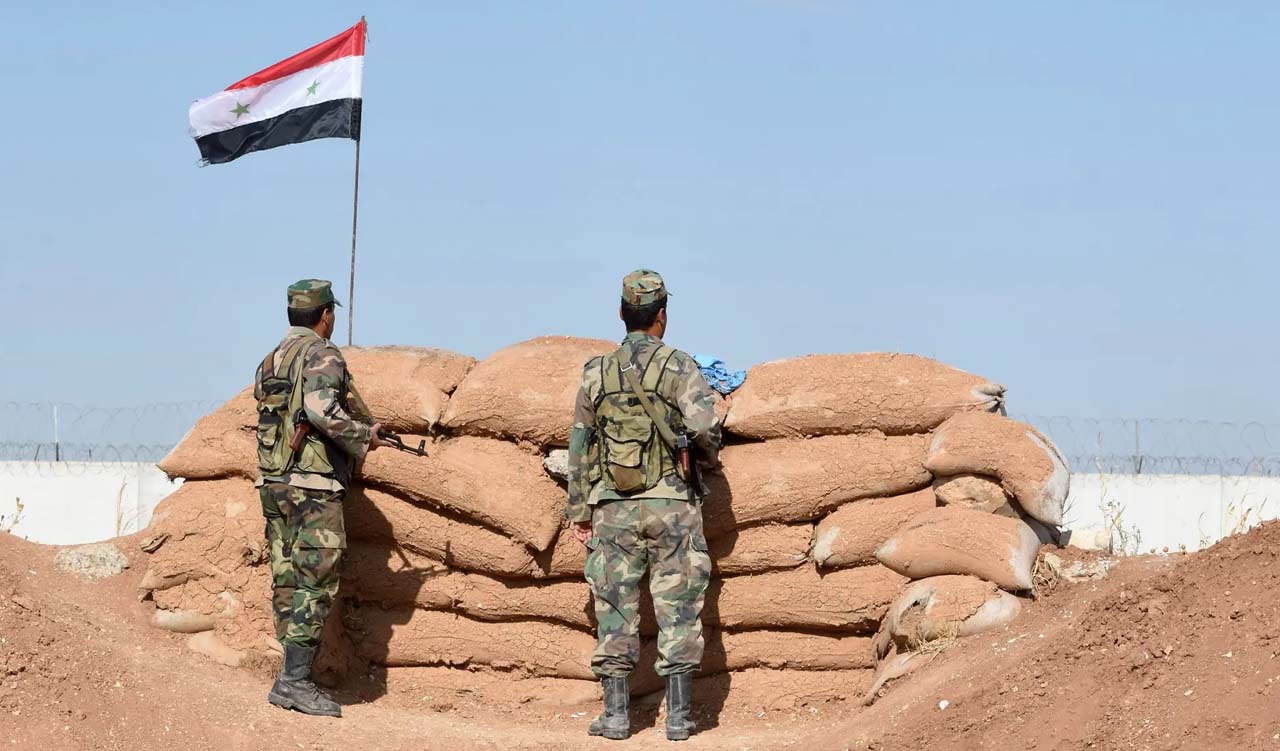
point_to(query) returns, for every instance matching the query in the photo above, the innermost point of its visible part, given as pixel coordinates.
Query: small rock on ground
(96, 561)
(557, 464)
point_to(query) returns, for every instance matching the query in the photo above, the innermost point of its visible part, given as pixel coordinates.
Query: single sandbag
(853, 393)
(207, 529)
(182, 621)
(492, 482)
(951, 540)
(754, 550)
(413, 637)
(208, 644)
(1028, 465)
(970, 491)
(567, 558)
(785, 650)
(373, 515)
(398, 577)
(781, 690)
(526, 391)
(851, 600)
(943, 607)
(850, 535)
(444, 686)
(801, 480)
(223, 443)
(734, 651)
(406, 388)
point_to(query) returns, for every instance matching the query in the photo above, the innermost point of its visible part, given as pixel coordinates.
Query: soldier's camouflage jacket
(329, 398)
(683, 385)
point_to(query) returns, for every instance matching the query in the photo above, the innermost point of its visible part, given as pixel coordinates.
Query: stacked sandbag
(405, 388)
(998, 482)
(1001, 487)
(524, 392)
(1029, 468)
(953, 540)
(836, 394)
(825, 509)
(802, 480)
(851, 535)
(931, 613)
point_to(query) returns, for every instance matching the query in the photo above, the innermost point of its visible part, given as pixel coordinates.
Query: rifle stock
(688, 465)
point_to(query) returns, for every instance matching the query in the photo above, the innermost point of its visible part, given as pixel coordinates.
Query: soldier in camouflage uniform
(631, 506)
(303, 385)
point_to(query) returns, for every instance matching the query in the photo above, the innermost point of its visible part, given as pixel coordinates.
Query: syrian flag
(314, 94)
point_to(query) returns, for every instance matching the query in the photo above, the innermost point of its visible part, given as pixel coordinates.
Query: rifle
(302, 428)
(396, 441)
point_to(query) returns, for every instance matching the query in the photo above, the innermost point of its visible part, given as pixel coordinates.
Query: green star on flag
(311, 90)
(239, 110)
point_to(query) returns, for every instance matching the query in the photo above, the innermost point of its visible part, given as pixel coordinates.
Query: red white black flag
(314, 94)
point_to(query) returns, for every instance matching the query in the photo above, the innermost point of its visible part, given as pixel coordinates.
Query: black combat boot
(679, 711)
(615, 722)
(293, 688)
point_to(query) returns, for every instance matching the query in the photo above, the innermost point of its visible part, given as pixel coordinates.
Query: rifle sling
(633, 382)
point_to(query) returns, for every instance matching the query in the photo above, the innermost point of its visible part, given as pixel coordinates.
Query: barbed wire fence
(1155, 446)
(59, 431)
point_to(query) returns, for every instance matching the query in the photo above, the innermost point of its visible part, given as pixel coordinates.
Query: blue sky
(1078, 200)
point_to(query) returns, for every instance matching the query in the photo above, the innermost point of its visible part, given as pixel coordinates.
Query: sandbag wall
(845, 478)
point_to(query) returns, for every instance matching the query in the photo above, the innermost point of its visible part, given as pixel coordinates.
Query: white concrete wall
(1146, 513)
(68, 503)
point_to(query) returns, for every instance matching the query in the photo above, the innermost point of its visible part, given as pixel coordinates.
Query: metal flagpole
(355, 213)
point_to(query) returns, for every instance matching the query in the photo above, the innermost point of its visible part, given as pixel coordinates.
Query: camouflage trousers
(306, 539)
(664, 538)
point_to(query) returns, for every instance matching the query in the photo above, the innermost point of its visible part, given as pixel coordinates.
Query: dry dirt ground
(1164, 653)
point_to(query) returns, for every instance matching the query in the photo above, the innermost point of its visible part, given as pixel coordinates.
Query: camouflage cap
(311, 293)
(643, 286)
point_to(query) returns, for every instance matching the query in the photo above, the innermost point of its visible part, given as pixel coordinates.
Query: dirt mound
(1164, 653)
(81, 669)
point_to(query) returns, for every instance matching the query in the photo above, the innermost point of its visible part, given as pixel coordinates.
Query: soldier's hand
(581, 531)
(374, 440)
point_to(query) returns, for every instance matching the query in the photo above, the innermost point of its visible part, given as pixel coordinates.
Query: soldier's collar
(639, 336)
(300, 331)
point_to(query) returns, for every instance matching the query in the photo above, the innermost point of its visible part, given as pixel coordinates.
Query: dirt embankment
(1164, 653)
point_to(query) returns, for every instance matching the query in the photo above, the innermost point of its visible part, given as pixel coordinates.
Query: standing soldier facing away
(636, 509)
(309, 445)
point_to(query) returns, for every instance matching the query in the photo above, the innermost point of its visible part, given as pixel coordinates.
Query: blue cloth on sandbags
(720, 377)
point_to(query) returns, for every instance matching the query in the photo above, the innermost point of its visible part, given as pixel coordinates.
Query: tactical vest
(278, 412)
(633, 455)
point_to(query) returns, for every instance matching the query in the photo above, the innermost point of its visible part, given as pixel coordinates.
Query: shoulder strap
(633, 382)
(296, 355)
